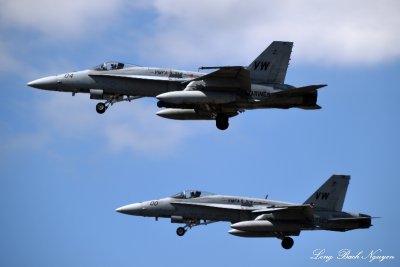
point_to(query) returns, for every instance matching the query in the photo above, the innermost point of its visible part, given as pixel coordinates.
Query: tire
(222, 122)
(101, 108)
(287, 243)
(180, 231)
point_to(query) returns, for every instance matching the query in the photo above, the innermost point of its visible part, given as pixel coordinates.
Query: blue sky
(64, 168)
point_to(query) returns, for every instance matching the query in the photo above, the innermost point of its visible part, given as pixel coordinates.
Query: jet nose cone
(131, 209)
(46, 83)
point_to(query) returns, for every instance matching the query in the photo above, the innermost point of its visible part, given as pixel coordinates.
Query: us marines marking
(259, 93)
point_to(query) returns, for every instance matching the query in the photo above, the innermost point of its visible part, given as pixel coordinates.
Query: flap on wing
(298, 212)
(232, 77)
(269, 210)
(213, 205)
(300, 90)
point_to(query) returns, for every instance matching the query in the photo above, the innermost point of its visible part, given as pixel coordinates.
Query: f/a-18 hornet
(252, 217)
(189, 95)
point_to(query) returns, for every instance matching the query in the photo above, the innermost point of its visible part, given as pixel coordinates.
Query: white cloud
(59, 19)
(124, 127)
(328, 32)
(181, 32)
(22, 142)
(9, 63)
(137, 127)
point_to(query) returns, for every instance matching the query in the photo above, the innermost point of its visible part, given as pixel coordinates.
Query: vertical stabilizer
(331, 194)
(271, 65)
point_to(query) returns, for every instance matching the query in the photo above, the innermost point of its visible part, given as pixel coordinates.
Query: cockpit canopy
(191, 194)
(112, 65)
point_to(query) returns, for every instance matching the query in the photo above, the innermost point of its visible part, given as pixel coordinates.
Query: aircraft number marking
(68, 75)
(154, 203)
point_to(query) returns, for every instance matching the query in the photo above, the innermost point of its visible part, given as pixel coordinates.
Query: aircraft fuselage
(189, 95)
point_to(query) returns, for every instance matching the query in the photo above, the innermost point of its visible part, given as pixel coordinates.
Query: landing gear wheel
(101, 108)
(222, 122)
(180, 231)
(287, 242)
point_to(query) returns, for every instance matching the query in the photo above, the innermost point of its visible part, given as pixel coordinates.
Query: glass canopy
(112, 65)
(191, 194)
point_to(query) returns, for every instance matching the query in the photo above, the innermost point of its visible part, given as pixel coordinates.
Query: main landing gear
(287, 242)
(180, 231)
(222, 121)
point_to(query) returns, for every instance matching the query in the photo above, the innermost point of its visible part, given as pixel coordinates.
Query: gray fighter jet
(188, 95)
(252, 217)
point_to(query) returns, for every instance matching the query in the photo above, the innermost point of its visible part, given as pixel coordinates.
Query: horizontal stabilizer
(300, 90)
(346, 224)
(348, 219)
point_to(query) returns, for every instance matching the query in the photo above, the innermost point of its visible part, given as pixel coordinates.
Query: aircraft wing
(213, 205)
(298, 212)
(140, 77)
(300, 90)
(234, 78)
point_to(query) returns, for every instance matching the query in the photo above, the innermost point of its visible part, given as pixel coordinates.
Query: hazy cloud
(136, 127)
(344, 32)
(12, 143)
(59, 19)
(125, 126)
(9, 63)
(181, 32)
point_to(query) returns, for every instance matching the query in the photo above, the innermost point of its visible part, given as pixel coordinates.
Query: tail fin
(331, 194)
(271, 65)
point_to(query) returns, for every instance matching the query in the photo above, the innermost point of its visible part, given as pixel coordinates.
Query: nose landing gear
(101, 108)
(180, 231)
